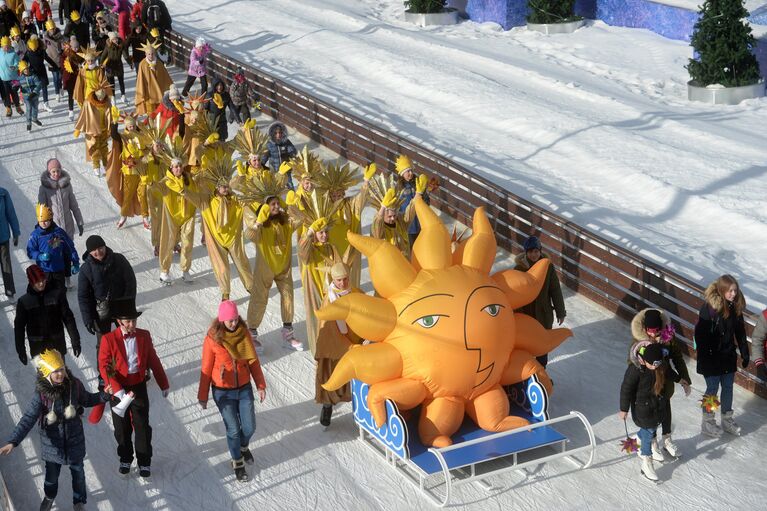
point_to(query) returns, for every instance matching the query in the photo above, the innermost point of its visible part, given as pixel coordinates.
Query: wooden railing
(607, 273)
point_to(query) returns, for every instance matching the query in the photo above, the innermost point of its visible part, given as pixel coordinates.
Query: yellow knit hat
(43, 213)
(403, 163)
(48, 361)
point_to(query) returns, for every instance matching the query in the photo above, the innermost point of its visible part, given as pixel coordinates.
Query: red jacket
(135, 13)
(39, 12)
(168, 114)
(113, 347)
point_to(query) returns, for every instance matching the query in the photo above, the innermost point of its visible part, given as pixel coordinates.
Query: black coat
(716, 339)
(42, 317)
(65, 9)
(164, 20)
(37, 60)
(219, 113)
(647, 409)
(80, 30)
(7, 21)
(109, 279)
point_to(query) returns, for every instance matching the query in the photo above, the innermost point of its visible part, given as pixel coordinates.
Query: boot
(256, 342)
(145, 472)
(79, 507)
(291, 343)
(58, 97)
(8, 112)
(19, 110)
(46, 504)
(239, 470)
(37, 121)
(165, 279)
(647, 468)
(657, 451)
(121, 222)
(325, 414)
(247, 456)
(71, 115)
(729, 425)
(708, 425)
(124, 469)
(670, 446)
(47, 107)
(29, 127)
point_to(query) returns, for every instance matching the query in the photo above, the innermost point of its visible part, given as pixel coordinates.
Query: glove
(80, 229)
(75, 268)
(420, 183)
(115, 113)
(15, 241)
(23, 358)
(263, 214)
(213, 138)
(45, 256)
(91, 327)
(240, 168)
(285, 167)
(291, 198)
(76, 349)
(165, 393)
(389, 198)
(761, 372)
(76, 133)
(745, 361)
(370, 171)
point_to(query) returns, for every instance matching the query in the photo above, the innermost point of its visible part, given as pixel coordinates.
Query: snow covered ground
(298, 466)
(594, 125)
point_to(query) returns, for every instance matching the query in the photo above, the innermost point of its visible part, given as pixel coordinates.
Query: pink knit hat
(227, 311)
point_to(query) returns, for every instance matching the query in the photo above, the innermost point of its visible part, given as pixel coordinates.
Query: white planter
(448, 16)
(724, 95)
(556, 28)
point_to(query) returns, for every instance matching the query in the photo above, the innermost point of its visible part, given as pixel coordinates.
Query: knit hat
(52, 164)
(652, 319)
(93, 242)
(532, 243)
(199, 42)
(339, 271)
(35, 274)
(173, 93)
(3, 4)
(227, 311)
(112, 35)
(25, 15)
(653, 354)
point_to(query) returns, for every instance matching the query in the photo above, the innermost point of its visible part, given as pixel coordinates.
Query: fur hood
(273, 127)
(637, 324)
(717, 302)
(522, 264)
(53, 393)
(63, 182)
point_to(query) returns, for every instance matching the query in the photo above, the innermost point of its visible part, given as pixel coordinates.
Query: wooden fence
(607, 273)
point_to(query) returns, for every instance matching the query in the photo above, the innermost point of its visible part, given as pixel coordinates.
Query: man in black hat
(104, 276)
(125, 355)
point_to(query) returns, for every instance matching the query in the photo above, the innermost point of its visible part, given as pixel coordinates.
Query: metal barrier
(607, 273)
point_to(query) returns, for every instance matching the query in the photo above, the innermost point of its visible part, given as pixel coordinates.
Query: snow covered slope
(595, 125)
(298, 466)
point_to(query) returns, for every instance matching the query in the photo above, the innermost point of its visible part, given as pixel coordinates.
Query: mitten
(76, 349)
(370, 171)
(420, 183)
(285, 167)
(291, 198)
(263, 214)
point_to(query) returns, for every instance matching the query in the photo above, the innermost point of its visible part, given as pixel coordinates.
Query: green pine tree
(723, 45)
(425, 6)
(551, 11)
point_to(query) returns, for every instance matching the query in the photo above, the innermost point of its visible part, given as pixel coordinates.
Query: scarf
(334, 294)
(238, 343)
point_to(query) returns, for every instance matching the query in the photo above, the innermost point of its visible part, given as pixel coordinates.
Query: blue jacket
(278, 152)
(9, 223)
(62, 442)
(31, 85)
(55, 242)
(408, 194)
(9, 66)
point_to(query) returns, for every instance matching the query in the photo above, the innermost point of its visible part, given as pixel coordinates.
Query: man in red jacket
(125, 355)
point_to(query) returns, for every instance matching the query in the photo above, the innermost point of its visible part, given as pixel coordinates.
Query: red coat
(39, 12)
(113, 347)
(135, 13)
(172, 114)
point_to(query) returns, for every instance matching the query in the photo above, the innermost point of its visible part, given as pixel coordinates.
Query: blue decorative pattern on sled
(393, 434)
(530, 396)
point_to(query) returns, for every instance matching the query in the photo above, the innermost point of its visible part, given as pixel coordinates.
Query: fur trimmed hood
(522, 264)
(637, 324)
(53, 393)
(63, 182)
(717, 302)
(273, 128)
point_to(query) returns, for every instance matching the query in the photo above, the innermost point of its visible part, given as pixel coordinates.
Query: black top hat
(124, 309)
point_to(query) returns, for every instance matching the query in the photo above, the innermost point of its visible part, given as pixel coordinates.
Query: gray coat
(59, 196)
(759, 337)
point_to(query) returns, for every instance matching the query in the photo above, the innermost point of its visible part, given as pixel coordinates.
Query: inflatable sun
(447, 336)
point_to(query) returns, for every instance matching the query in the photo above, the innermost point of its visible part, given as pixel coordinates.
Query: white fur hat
(173, 92)
(25, 15)
(199, 42)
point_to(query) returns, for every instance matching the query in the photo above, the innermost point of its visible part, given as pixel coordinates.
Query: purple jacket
(197, 61)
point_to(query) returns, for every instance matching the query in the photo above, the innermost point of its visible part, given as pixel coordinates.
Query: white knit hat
(25, 15)
(199, 42)
(173, 92)
(112, 35)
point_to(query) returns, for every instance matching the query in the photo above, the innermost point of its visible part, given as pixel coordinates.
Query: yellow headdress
(402, 164)
(149, 47)
(50, 25)
(195, 103)
(15, 32)
(155, 132)
(336, 177)
(383, 190)
(306, 164)
(314, 210)
(217, 166)
(43, 213)
(261, 187)
(250, 140)
(174, 150)
(48, 361)
(5, 41)
(204, 126)
(33, 44)
(89, 53)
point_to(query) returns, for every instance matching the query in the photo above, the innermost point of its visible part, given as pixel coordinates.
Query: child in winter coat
(652, 326)
(9, 74)
(197, 67)
(280, 149)
(51, 248)
(240, 93)
(57, 407)
(642, 393)
(219, 101)
(30, 87)
(719, 331)
(111, 58)
(136, 41)
(410, 185)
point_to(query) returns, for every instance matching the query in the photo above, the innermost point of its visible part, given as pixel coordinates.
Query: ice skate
(239, 470)
(647, 469)
(670, 446)
(46, 504)
(71, 115)
(247, 456)
(657, 451)
(37, 121)
(256, 342)
(187, 277)
(29, 127)
(729, 425)
(709, 426)
(123, 100)
(58, 98)
(146, 224)
(47, 107)
(325, 414)
(290, 342)
(121, 222)
(165, 279)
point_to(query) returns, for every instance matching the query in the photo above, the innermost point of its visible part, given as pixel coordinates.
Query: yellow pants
(219, 260)
(96, 150)
(155, 215)
(142, 199)
(263, 278)
(170, 234)
(130, 190)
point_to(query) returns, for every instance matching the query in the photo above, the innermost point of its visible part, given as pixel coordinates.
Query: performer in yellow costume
(94, 123)
(199, 127)
(152, 80)
(389, 224)
(126, 166)
(150, 198)
(90, 75)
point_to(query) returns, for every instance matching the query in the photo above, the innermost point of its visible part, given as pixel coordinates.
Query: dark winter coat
(43, 316)
(109, 279)
(407, 194)
(278, 152)
(717, 337)
(637, 392)
(239, 90)
(9, 222)
(7, 20)
(155, 14)
(112, 58)
(80, 30)
(99, 35)
(219, 112)
(65, 9)
(69, 80)
(30, 85)
(55, 242)
(62, 442)
(676, 357)
(60, 197)
(549, 301)
(37, 60)
(135, 41)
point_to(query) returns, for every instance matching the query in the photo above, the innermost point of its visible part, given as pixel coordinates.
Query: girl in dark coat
(57, 407)
(719, 332)
(642, 393)
(70, 63)
(219, 101)
(37, 58)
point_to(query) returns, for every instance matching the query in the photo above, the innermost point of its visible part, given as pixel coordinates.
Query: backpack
(153, 15)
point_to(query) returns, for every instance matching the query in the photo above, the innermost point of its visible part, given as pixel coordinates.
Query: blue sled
(475, 454)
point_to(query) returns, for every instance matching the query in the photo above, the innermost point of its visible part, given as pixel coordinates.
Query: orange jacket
(223, 371)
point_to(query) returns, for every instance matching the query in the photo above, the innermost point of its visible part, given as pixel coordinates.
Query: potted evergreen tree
(724, 69)
(430, 12)
(553, 16)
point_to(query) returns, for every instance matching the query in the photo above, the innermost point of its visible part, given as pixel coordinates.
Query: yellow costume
(88, 78)
(385, 196)
(199, 126)
(127, 165)
(152, 80)
(93, 122)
